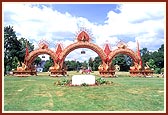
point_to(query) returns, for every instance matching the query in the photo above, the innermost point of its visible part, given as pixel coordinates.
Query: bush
(162, 70)
(84, 84)
(100, 81)
(157, 70)
(62, 82)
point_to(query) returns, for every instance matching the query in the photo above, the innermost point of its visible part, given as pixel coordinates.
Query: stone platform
(26, 73)
(58, 73)
(80, 79)
(141, 73)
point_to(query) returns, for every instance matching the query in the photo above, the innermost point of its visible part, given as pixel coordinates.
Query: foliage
(123, 61)
(63, 82)
(97, 61)
(14, 49)
(11, 47)
(24, 43)
(155, 59)
(157, 70)
(71, 65)
(158, 57)
(162, 70)
(151, 63)
(91, 62)
(37, 61)
(47, 65)
(15, 62)
(101, 81)
(145, 55)
(84, 64)
(84, 84)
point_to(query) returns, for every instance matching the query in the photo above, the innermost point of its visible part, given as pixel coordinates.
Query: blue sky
(110, 22)
(95, 13)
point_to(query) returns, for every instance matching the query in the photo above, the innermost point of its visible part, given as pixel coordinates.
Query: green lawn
(38, 93)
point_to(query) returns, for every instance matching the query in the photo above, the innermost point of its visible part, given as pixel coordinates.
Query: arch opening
(127, 51)
(34, 54)
(77, 45)
(77, 61)
(123, 61)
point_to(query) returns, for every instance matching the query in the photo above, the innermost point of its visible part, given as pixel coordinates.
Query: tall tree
(97, 61)
(146, 55)
(24, 42)
(71, 65)
(85, 64)
(91, 62)
(37, 61)
(48, 64)
(151, 64)
(15, 62)
(11, 47)
(159, 60)
(14, 49)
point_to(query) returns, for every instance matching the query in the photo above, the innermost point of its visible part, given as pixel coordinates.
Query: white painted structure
(80, 79)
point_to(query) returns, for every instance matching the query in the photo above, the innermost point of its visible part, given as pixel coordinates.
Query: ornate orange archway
(84, 41)
(77, 45)
(125, 51)
(43, 49)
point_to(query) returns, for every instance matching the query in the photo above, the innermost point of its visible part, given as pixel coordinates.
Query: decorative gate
(84, 41)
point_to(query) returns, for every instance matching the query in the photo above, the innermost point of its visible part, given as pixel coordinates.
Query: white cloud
(144, 21)
(132, 45)
(76, 55)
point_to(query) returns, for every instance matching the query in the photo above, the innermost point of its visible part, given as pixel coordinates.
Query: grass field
(38, 93)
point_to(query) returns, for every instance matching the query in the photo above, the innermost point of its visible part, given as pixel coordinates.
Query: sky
(105, 23)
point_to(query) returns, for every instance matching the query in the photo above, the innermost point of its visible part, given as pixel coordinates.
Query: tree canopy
(14, 49)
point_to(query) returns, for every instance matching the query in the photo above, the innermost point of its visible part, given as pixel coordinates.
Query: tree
(11, 47)
(37, 61)
(15, 62)
(72, 65)
(48, 64)
(14, 49)
(97, 61)
(22, 52)
(123, 61)
(161, 49)
(145, 55)
(155, 59)
(151, 64)
(91, 62)
(159, 60)
(78, 64)
(85, 64)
